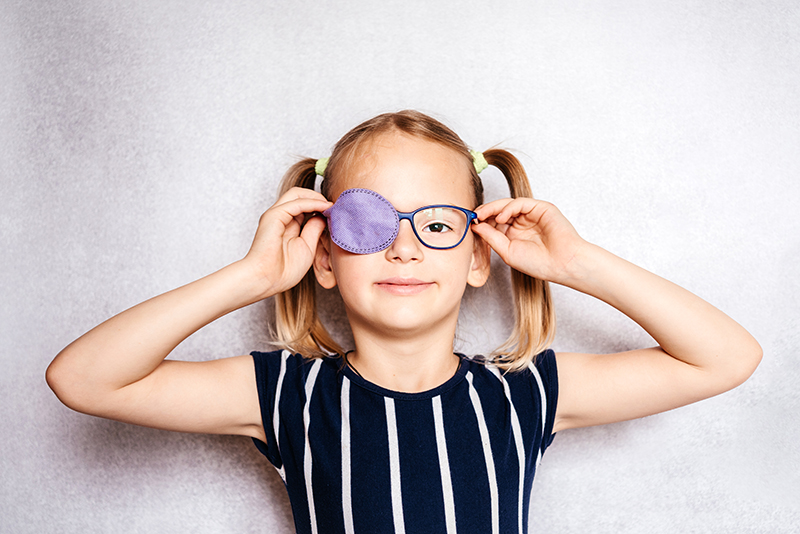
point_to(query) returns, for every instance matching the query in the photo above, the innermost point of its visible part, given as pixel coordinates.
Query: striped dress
(357, 458)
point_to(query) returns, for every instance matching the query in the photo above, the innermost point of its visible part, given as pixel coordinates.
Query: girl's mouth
(403, 286)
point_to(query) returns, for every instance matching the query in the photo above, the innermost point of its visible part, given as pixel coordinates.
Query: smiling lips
(403, 286)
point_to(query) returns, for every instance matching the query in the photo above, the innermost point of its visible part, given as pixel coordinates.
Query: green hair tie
(321, 165)
(478, 161)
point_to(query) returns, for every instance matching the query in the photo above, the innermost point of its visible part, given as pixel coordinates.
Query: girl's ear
(481, 262)
(322, 263)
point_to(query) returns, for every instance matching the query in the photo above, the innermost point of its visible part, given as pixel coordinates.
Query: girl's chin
(399, 322)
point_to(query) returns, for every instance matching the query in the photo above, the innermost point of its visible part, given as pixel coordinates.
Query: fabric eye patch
(363, 222)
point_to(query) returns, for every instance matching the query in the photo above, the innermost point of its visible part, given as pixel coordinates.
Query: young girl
(400, 434)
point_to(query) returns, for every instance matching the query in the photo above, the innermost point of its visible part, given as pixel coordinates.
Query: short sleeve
(269, 369)
(546, 374)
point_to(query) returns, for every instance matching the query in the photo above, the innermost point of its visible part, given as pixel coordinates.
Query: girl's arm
(702, 352)
(118, 371)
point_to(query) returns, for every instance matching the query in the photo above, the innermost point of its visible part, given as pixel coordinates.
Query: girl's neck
(403, 367)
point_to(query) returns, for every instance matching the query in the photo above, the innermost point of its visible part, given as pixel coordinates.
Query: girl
(401, 434)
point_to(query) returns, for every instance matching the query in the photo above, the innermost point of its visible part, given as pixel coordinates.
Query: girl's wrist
(249, 284)
(585, 271)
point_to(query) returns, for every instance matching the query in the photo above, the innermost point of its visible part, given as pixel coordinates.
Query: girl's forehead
(409, 170)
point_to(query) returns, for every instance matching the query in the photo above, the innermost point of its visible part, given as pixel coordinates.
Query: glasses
(363, 222)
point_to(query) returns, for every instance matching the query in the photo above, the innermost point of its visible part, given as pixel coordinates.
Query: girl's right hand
(117, 370)
(286, 240)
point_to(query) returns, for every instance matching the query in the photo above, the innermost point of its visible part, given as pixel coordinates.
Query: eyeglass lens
(441, 226)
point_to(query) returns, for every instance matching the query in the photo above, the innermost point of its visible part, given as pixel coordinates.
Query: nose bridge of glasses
(411, 226)
(406, 216)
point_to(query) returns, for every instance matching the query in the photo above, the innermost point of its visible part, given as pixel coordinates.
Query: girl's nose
(406, 247)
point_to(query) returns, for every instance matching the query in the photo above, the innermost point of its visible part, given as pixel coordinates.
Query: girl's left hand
(532, 236)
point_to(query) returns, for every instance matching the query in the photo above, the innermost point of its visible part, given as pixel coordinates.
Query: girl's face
(407, 287)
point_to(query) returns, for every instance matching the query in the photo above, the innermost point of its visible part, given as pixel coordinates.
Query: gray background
(140, 141)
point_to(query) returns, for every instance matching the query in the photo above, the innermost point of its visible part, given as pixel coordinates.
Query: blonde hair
(297, 324)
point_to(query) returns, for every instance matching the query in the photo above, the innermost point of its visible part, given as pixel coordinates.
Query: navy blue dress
(357, 458)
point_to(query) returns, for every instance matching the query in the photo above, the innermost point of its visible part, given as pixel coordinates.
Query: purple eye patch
(362, 221)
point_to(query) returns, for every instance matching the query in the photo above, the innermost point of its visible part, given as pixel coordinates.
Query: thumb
(496, 239)
(312, 230)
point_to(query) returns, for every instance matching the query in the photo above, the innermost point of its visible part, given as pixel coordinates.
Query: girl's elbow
(57, 380)
(743, 363)
(752, 359)
(66, 383)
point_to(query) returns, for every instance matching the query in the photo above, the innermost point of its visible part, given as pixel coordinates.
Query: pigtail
(535, 319)
(297, 325)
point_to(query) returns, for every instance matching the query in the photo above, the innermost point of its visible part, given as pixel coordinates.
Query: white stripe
(487, 455)
(444, 466)
(543, 398)
(312, 377)
(276, 414)
(518, 443)
(538, 378)
(394, 467)
(347, 503)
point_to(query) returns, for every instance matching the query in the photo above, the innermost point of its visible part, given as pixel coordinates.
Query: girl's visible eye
(437, 227)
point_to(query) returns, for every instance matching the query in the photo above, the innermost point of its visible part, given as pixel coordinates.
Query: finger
(495, 238)
(504, 209)
(297, 208)
(299, 192)
(515, 208)
(312, 231)
(503, 228)
(490, 209)
(496, 225)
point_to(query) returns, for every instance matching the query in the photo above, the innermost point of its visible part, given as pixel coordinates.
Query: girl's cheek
(350, 269)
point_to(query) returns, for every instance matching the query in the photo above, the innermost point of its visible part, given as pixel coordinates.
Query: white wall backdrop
(140, 141)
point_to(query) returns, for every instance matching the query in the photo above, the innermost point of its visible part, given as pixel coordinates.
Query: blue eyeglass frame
(472, 218)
